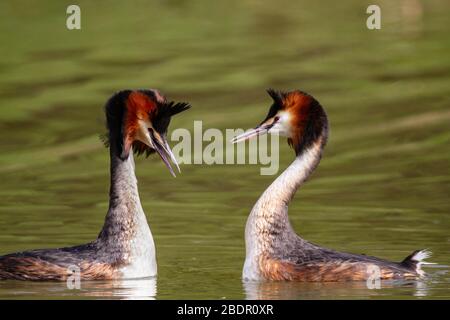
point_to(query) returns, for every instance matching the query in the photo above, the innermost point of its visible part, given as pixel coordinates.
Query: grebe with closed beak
(273, 250)
(137, 122)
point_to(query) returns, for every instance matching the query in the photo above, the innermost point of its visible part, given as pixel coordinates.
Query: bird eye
(276, 119)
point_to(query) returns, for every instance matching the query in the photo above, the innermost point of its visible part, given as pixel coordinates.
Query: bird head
(137, 121)
(295, 115)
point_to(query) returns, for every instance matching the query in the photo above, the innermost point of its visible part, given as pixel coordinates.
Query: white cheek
(282, 127)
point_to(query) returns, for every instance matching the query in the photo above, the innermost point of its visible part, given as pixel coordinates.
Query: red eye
(276, 119)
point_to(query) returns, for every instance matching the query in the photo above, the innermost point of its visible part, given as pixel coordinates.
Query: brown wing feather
(273, 269)
(34, 268)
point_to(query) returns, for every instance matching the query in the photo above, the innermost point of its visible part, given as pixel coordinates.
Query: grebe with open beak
(137, 122)
(273, 250)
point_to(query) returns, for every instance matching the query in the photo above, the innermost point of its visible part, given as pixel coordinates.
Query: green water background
(382, 187)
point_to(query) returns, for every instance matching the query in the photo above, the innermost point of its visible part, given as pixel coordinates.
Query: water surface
(382, 187)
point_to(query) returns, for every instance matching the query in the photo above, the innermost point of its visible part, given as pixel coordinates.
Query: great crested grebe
(137, 121)
(273, 250)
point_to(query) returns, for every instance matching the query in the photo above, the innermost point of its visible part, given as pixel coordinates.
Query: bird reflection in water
(139, 289)
(289, 290)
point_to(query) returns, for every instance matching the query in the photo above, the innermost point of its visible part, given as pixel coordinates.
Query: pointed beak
(162, 147)
(259, 130)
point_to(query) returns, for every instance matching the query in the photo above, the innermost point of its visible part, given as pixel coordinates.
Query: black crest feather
(165, 111)
(277, 96)
(116, 112)
(170, 108)
(277, 105)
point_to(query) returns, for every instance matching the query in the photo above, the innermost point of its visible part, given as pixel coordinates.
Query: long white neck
(282, 190)
(268, 223)
(125, 209)
(126, 232)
